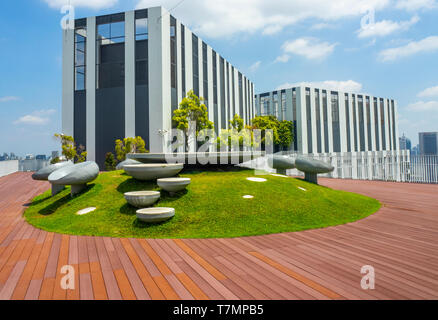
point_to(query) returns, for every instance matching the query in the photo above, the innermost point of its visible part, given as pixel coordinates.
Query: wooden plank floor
(400, 242)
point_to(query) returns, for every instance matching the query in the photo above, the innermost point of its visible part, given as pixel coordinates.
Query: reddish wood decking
(400, 242)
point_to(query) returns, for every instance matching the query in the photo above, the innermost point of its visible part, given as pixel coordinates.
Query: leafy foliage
(129, 145)
(285, 134)
(110, 162)
(190, 109)
(237, 123)
(68, 146)
(55, 160)
(282, 130)
(69, 149)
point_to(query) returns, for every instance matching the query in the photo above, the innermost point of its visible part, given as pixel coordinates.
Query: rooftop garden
(214, 205)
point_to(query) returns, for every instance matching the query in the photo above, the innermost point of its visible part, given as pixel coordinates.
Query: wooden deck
(400, 242)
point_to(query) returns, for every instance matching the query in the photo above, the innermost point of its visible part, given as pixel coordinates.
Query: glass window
(110, 51)
(141, 29)
(80, 58)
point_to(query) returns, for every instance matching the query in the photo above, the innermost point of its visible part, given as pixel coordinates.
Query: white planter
(152, 171)
(173, 184)
(142, 199)
(155, 215)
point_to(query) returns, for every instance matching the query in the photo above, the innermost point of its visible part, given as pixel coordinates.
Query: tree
(68, 146)
(191, 109)
(81, 154)
(69, 149)
(237, 123)
(264, 123)
(129, 145)
(110, 162)
(54, 160)
(285, 134)
(282, 130)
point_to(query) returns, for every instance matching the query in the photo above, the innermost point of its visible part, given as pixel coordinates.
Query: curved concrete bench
(152, 171)
(142, 199)
(173, 184)
(281, 163)
(127, 161)
(312, 168)
(44, 173)
(155, 215)
(77, 176)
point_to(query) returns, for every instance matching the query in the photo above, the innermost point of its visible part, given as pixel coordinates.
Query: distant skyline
(276, 43)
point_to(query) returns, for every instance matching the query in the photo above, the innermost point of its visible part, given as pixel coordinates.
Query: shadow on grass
(135, 185)
(172, 196)
(144, 225)
(37, 202)
(51, 208)
(128, 210)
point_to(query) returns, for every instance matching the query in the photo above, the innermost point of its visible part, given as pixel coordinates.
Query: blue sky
(275, 43)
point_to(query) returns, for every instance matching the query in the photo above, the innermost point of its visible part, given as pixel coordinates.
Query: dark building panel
(80, 118)
(110, 121)
(142, 113)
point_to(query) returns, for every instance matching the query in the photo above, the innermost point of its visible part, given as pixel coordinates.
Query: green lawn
(212, 207)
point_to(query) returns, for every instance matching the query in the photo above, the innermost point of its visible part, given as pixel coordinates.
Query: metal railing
(381, 165)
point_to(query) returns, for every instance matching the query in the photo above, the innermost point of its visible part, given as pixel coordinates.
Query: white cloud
(344, 86)
(41, 117)
(283, 58)
(429, 92)
(310, 48)
(255, 66)
(322, 26)
(412, 5)
(9, 98)
(423, 106)
(426, 45)
(92, 4)
(386, 27)
(225, 18)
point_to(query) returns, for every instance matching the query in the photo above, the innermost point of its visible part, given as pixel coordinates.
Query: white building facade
(124, 75)
(328, 121)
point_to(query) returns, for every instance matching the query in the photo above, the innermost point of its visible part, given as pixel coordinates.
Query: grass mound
(212, 206)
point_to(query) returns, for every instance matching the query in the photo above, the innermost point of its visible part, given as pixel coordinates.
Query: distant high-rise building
(415, 150)
(41, 157)
(405, 143)
(428, 143)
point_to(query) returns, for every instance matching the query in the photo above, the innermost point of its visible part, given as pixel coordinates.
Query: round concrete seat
(152, 171)
(312, 168)
(155, 215)
(281, 163)
(44, 173)
(124, 163)
(142, 199)
(77, 176)
(173, 184)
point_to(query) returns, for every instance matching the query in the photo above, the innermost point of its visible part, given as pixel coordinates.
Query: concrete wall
(8, 167)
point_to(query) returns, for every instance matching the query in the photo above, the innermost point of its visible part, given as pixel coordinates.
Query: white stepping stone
(279, 175)
(155, 215)
(302, 189)
(142, 199)
(85, 211)
(248, 197)
(256, 179)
